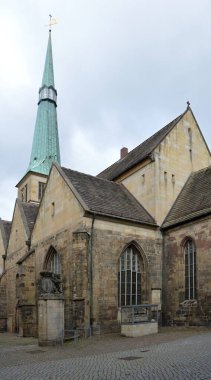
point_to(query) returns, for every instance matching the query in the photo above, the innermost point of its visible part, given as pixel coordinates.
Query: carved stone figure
(49, 283)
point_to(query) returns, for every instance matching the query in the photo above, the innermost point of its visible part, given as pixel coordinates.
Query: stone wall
(2, 252)
(109, 240)
(3, 304)
(174, 269)
(31, 180)
(89, 252)
(16, 249)
(59, 216)
(26, 296)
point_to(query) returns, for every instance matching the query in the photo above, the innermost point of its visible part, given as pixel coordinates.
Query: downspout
(91, 270)
(4, 261)
(162, 276)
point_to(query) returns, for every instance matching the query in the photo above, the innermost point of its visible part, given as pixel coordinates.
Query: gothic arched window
(190, 270)
(52, 262)
(129, 278)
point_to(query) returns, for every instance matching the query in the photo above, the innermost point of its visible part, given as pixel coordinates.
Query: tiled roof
(139, 153)
(193, 201)
(30, 211)
(107, 198)
(5, 226)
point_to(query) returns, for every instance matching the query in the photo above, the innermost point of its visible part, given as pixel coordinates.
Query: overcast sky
(123, 69)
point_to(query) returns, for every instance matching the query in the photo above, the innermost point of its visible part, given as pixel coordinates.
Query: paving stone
(176, 358)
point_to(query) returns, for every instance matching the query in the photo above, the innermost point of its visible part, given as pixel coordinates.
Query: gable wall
(175, 158)
(174, 267)
(59, 209)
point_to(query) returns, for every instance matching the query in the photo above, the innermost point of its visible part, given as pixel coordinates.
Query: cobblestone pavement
(172, 354)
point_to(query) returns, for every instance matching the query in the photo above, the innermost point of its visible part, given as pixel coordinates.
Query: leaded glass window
(129, 278)
(190, 270)
(53, 263)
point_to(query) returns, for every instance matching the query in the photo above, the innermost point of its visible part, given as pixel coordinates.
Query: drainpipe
(162, 274)
(4, 260)
(91, 270)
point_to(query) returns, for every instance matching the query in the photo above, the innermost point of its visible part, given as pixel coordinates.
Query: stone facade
(16, 249)
(80, 232)
(3, 305)
(174, 271)
(26, 296)
(157, 184)
(88, 267)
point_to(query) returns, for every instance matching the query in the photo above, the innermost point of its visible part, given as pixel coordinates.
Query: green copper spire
(48, 76)
(45, 146)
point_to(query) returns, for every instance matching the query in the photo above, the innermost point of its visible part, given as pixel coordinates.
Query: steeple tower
(45, 145)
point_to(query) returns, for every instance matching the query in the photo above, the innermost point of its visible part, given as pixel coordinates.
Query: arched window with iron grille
(129, 277)
(190, 270)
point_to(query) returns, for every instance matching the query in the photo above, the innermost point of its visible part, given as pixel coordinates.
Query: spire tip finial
(50, 18)
(52, 21)
(188, 104)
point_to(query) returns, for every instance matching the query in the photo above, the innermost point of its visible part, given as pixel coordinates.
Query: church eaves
(45, 146)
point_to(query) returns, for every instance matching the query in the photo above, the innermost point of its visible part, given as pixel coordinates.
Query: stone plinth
(50, 320)
(139, 329)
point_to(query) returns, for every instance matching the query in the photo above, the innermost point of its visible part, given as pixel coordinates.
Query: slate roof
(30, 211)
(139, 153)
(193, 201)
(7, 228)
(106, 198)
(5, 225)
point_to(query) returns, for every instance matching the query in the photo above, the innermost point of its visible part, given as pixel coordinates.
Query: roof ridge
(140, 152)
(167, 125)
(90, 175)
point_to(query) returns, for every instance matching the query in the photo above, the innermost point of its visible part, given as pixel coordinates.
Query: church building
(137, 233)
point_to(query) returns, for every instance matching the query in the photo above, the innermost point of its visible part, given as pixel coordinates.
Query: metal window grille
(190, 270)
(129, 278)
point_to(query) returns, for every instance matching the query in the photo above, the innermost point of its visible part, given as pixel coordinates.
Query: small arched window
(52, 262)
(190, 270)
(129, 278)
